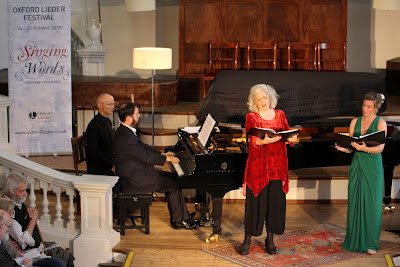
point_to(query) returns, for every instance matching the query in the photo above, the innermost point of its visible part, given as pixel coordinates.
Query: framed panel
(324, 19)
(282, 21)
(242, 21)
(199, 23)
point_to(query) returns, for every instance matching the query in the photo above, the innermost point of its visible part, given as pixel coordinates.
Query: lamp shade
(152, 58)
(392, 5)
(140, 5)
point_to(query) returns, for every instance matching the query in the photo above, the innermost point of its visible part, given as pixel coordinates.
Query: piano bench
(127, 203)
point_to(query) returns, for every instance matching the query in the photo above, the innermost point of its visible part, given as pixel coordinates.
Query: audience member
(24, 230)
(5, 258)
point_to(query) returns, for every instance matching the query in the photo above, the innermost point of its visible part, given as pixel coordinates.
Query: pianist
(134, 164)
(266, 175)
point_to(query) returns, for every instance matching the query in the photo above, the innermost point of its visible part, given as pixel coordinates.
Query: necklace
(365, 123)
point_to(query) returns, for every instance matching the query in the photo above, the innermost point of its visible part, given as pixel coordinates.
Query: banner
(39, 76)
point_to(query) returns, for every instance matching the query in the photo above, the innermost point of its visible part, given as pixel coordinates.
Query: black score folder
(261, 132)
(372, 139)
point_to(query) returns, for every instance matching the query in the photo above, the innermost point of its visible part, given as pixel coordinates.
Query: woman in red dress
(266, 177)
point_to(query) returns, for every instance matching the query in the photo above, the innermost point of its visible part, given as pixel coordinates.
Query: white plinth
(93, 61)
(97, 238)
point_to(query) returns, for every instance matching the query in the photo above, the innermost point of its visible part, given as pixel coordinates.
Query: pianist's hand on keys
(171, 158)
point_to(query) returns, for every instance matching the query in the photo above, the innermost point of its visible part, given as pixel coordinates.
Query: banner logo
(40, 115)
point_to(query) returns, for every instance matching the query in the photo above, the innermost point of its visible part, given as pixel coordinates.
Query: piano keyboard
(178, 169)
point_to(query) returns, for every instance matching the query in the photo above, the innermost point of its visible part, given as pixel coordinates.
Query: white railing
(96, 228)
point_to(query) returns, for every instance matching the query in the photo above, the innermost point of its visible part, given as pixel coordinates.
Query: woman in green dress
(365, 190)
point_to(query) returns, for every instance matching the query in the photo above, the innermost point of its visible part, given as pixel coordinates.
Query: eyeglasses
(108, 104)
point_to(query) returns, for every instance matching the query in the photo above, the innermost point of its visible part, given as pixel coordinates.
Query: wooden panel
(85, 90)
(242, 21)
(324, 20)
(281, 21)
(201, 23)
(325, 16)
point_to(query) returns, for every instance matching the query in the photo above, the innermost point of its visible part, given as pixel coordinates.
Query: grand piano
(216, 168)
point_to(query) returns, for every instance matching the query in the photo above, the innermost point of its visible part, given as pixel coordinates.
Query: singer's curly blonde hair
(268, 89)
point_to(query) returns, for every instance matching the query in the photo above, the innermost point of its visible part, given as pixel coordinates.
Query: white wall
(359, 36)
(167, 31)
(122, 31)
(387, 37)
(3, 34)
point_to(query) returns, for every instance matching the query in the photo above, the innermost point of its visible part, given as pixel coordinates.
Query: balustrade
(96, 230)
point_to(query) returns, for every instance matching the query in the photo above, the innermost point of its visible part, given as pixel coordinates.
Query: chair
(130, 202)
(336, 52)
(79, 151)
(302, 52)
(221, 55)
(265, 49)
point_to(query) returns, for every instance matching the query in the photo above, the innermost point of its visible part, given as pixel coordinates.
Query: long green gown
(365, 192)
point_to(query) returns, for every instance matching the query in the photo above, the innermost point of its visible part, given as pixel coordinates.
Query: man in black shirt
(99, 136)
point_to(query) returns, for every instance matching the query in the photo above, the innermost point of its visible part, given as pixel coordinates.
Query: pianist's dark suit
(134, 164)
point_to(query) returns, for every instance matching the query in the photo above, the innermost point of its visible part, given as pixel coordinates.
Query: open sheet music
(206, 130)
(261, 132)
(372, 139)
(34, 253)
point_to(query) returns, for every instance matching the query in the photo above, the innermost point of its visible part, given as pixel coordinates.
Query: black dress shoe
(270, 251)
(191, 215)
(245, 249)
(189, 225)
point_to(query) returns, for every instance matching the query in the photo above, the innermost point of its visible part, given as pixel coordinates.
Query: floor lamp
(152, 58)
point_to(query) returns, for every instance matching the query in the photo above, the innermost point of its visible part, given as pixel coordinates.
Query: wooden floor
(167, 247)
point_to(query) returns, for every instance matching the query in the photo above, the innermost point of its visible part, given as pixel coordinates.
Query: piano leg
(217, 214)
(388, 174)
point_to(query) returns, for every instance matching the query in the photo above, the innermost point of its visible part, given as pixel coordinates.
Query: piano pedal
(197, 206)
(392, 208)
(212, 238)
(206, 219)
(386, 209)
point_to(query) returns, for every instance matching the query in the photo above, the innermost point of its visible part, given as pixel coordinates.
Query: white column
(4, 142)
(97, 238)
(93, 61)
(45, 217)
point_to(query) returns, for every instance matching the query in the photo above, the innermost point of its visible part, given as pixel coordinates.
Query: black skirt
(268, 207)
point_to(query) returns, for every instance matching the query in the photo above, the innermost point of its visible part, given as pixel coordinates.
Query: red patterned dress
(266, 162)
(266, 179)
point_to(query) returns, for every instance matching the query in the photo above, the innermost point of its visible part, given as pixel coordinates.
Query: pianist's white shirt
(131, 128)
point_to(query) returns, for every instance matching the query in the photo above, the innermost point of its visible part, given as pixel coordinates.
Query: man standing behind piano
(266, 176)
(134, 164)
(99, 136)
